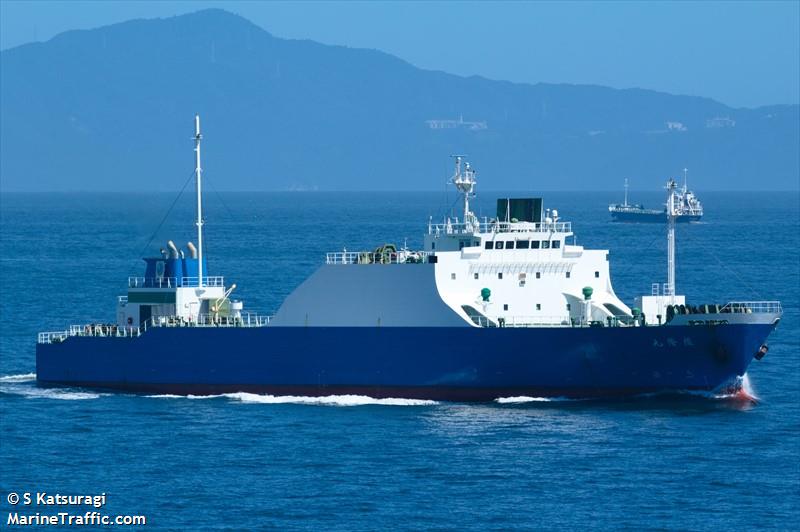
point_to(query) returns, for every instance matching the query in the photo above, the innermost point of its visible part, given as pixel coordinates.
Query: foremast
(671, 214)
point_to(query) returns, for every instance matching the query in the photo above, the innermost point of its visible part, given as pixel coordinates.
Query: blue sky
(743, 54)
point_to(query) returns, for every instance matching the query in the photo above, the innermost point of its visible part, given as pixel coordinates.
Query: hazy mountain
(112, 108)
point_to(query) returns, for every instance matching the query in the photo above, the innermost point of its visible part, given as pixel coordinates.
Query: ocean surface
(245, 462)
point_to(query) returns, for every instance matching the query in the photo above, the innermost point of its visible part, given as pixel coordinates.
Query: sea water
(243, 461)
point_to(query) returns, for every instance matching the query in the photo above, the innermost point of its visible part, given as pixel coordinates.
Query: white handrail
(753, 307)
(172, 282)
(535, 321)
(372, 257)
(500, 227)
(112, 330)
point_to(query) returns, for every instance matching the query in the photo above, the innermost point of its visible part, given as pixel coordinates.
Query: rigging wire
(741, 280)
(752, 290)
(210, 183)
(632, 264)
(164, 219)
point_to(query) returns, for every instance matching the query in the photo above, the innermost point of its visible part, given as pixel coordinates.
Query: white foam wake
(20, 385)
(165, 396)
(747, 387)
(526, 399)
(31, 392)
(22, 377)
(331, 400)
(740, 389)
(328, 400)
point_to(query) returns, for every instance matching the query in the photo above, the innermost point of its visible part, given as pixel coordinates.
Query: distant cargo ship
(688, 208)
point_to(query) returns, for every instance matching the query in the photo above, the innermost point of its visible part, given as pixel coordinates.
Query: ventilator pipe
(587, 304)
(192, 250)
(173, 251)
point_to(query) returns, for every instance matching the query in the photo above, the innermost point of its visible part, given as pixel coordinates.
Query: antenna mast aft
(198, 180)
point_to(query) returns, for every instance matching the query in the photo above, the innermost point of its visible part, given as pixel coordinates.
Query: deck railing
(499, 227)
(534, 321)
(247, 319)
(373, 257)
(101, 330)
(173, 282)
(753, 307)
(213, 280)
(112, 330)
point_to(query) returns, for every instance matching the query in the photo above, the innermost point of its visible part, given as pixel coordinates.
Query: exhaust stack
(173, 251)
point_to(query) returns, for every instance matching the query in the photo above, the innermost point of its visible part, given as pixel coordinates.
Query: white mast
(465, 183)
(685, 181)
(198, 178)
(626, 192)
(671, 185)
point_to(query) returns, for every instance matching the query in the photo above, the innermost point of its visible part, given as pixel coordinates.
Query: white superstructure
(520, 269)
(533, 274)
(175, 289)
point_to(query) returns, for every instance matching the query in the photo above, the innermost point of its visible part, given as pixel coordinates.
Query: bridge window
(545, 244)
(489, 244)
(498, 245)
(475, 276)
(534, 244)
(538, 275)
(556, 244)
(567, 275)
(510, 244)
(500, 275)
(505, 307)
(523, 244)
(597, 275)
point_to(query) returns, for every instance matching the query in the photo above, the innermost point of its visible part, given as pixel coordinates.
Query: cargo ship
(487, 308)
(687, 208)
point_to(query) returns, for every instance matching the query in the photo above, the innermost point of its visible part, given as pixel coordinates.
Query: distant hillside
(112, 108)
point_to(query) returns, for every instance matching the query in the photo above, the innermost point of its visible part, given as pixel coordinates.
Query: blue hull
(650, 217)
(427, 362)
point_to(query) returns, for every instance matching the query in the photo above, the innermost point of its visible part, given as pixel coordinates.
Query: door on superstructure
(145, 313)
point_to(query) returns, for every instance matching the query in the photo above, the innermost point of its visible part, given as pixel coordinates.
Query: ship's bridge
(520, 224)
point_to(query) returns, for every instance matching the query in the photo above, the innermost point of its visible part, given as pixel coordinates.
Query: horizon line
(382, 191)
